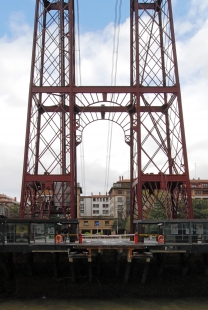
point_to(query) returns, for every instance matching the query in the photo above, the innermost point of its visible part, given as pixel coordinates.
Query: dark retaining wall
(36, 275)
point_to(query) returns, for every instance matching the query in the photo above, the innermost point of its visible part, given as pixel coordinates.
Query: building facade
(119, 196)
(94, 205)
(94, 214)
(96, 225)
(199, 189)
(9, 207)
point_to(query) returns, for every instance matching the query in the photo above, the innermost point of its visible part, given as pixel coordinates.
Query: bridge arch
(99, 110)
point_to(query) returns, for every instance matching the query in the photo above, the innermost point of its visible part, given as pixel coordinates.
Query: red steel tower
(159, 157)
(148, 110)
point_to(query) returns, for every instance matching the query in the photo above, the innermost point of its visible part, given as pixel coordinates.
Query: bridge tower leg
(49, 172)
(159, 166)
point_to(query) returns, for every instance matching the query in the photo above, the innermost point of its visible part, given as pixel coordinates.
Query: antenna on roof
(195, 170)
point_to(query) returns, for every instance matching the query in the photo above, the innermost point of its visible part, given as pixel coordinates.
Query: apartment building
(119, 196)
(94, 215)
(94, 205)
(199, 189)
(7, 205)
(96, 225)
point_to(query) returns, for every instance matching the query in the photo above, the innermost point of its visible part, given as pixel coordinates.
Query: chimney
(99, 193)
(15, 198)
(119, 178)
(122, 178)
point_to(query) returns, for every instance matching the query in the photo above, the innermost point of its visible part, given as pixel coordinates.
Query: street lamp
(117, 223)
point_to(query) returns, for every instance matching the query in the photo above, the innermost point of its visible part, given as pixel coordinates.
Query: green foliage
(14, 210)
(158, 212)
(200, 208)
(127, 225)
(119, 224)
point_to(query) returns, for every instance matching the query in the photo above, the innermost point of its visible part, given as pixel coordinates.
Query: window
(85, 223)
(116, 184)
(81, 208)
(120, 207)
(81, 198)
(119, 191)
(105, 212)
(94, 199)
(95, 205)
(96, 223)
(205, 192)
(95, 211)
(107, 223)
(197, 192)
(105, 205)
(205, 185)
(119, 199)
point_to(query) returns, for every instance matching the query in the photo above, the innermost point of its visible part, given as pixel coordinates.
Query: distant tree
(120, 225)
(127, 225)
(200, 208)
(14, 210)
(158, 212)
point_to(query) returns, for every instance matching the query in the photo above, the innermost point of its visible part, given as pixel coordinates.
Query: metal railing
(109, 238)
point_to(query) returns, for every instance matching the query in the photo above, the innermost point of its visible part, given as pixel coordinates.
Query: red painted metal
(149, 111)
(159, 166)
(49, 177)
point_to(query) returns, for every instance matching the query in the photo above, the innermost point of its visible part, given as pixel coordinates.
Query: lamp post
(117, 223)
(119, 207)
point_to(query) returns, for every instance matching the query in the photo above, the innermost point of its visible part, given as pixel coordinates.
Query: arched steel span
(98, 110)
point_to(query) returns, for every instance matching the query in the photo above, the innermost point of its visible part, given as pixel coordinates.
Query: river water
(115, 304)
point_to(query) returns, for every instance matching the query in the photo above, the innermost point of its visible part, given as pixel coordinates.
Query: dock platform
(152, 240)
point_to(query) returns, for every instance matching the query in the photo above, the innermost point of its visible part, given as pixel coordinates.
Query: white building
(94, 205)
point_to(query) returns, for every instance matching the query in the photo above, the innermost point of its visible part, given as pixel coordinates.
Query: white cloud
(95, 157)
(193, 18)
(198, 8)
(11, 165)
(184, 27)
(97, 53)
(15, 55)
(192, 55)
(193, 67)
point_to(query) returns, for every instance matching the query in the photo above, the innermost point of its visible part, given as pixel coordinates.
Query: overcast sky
(96, 32)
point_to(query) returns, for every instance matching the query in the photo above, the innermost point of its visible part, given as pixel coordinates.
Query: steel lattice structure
(148, 110)
(159, 160)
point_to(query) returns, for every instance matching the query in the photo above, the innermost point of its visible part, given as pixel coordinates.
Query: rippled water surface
(117, 304)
